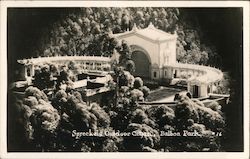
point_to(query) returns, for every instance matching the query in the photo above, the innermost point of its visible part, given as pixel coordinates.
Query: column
(32, 70)
(101, 66)
(84, 65)
(25, 71)
(189, 87)
(204, 89)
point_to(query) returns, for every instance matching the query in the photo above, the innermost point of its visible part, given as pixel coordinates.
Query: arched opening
(142, 64)
(195, 91)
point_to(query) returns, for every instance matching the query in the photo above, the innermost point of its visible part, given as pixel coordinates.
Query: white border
(187, 155)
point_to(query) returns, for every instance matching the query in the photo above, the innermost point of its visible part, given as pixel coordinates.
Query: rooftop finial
(151, 25)
(134, 27)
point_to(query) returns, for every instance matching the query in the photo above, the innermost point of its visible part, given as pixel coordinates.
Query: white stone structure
(202, 79)
(85, 63)
(156, 48)
(154, 54)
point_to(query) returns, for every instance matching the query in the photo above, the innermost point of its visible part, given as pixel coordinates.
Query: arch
(142, 61)
(141, 49)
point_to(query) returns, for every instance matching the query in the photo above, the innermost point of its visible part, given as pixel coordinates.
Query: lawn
(161, 93)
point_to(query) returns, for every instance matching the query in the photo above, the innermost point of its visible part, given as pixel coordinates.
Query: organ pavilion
(154, 54)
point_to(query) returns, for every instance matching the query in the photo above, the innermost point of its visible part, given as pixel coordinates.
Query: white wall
(159, 53)
(150, 47)
(203, 90)
(168, 49)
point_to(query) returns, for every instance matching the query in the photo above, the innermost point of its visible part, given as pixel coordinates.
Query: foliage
(123, 78)
(43, 78)
(193, 116)
(125, 53)
(50, 76)
(144, 136)
(145, 90)
(49, 122)
(224, 86)
(86, 31)
(121, 114)
(214, 106)
(162, 115)
(130, 66)
(41, 119)
(33, 91)
(136, 94)
(49, 127)
(192, 45)
(138, 83)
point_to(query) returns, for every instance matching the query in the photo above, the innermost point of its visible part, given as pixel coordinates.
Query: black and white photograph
(126, 79)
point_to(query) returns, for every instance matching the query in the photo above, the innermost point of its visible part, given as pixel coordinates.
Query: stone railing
(209, 74)
(64, 58)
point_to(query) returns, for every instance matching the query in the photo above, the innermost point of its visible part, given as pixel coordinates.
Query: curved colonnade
(206, 73)
(91, 63)
(202, 79)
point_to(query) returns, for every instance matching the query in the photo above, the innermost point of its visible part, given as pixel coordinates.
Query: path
(163, 94)
(170, 98)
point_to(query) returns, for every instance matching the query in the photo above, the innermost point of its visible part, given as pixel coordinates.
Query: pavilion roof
(151, 32)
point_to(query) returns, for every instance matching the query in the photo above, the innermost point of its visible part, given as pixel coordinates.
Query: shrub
(141, 138)
(34, 91)
(138, 83)
(214, 106)
(136, 95)
(145, 90)
(162, 115)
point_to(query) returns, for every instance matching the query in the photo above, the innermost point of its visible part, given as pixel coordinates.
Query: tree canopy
(86, 31)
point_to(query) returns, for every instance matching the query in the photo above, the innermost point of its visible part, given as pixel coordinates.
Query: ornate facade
(155, 47)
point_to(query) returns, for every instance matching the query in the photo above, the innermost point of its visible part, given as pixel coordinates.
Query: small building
(203, 84)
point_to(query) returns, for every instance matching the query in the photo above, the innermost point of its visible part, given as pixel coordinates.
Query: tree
(130, 66)
(144, 136)
(41, 119)
(145, 90)
(63, 77)
(60, 101)
(75, 34)
(43, 78)
(138, 83)
(125, 22)
(162, 115)
(125, 53)
(126, 79)
(136, 95)
(34, 91)
(194, 116)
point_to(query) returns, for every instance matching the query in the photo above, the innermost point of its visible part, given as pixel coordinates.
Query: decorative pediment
(150, 33)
